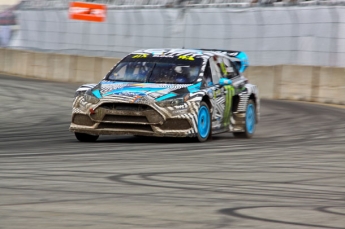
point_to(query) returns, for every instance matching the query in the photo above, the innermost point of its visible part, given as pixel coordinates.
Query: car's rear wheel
(86, 137)
(204, 122)
(250, 122)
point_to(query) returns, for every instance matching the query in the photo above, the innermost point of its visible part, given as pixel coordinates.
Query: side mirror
(225, 81)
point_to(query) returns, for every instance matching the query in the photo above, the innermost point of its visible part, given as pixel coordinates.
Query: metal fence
(311, 35)
(40, 4)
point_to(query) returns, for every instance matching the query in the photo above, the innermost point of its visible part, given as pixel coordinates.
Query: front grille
(124, 118)
(81, 119)
(175, 124)
(125, 107)
(125, 127)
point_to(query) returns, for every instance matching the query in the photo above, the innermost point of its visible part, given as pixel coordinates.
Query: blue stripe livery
(97, 93)
(194, 88)
(167, 96)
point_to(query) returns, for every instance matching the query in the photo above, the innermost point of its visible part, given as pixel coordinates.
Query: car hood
(158, 92)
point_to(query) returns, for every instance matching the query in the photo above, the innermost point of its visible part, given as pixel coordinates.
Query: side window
(223, 66)
(236, 70)
(236, 65)
(208, 75)
(215, 70)
(230, 68)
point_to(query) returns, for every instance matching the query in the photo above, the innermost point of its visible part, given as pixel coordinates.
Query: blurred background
(281, 32)
(290, 175)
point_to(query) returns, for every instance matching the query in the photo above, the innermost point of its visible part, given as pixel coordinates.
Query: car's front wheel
(250, 122)
(86, 137)
(204, 122)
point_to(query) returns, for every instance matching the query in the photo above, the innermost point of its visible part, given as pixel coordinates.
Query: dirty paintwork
(115, 107)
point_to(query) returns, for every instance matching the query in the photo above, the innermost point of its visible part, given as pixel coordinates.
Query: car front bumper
(118, 117)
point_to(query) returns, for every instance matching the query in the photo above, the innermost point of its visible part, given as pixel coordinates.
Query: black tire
(204, 122)
(86, 137)
(239, 134)
(143, 136)
(249, 125)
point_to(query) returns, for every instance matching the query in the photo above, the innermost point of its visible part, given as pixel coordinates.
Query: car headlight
(173, 102)
(79, 93)
(90, 98)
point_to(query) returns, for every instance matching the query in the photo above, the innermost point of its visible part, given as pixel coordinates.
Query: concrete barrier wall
(56, 67)
(294, 82)
(304, 83)
(331, 85)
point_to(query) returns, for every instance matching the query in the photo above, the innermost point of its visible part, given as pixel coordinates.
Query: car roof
(188, 52)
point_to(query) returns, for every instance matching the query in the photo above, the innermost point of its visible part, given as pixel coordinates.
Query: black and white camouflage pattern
(190, 109)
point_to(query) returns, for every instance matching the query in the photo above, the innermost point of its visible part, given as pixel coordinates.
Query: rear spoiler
(242, 58)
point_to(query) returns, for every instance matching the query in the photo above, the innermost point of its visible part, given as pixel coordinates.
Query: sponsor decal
(185, 58)
(230, 92)
(142, 100)
(179, 112)
(87, 11)
(136, 98)
(129, 93)
(162, 55)
(140, 56)
(181, 106)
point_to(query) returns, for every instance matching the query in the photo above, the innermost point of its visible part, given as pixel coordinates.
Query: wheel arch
(254, 98)
(207, 100)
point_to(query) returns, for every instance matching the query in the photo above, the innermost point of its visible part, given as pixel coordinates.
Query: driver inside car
(182, 74)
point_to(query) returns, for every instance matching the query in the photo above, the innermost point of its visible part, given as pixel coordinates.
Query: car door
(221, 112)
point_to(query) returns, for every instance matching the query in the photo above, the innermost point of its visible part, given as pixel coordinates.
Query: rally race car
(169, 93)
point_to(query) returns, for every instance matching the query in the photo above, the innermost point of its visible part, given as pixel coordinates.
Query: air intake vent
(125, 127)
(126, 107)
(125, 118)
(80, 119)
(175, 124)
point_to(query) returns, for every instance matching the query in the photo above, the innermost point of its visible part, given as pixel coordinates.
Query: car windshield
(165, 70)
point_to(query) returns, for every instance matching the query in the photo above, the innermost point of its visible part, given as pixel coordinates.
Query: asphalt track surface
(290, 175)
